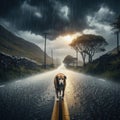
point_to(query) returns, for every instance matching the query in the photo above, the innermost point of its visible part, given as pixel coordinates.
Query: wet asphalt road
(88, 98)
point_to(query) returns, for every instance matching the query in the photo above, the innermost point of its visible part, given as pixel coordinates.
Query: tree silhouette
(79, 48)
(89, 45)
(116, 27)
(69, 60)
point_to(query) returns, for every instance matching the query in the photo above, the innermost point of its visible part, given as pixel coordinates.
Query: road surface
(87, 97)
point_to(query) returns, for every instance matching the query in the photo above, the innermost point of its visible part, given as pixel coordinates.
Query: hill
(16, 46)
(107, 66)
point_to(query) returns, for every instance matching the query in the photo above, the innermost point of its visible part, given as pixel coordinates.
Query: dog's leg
(63, 93)
(60, 92)
(57, 93)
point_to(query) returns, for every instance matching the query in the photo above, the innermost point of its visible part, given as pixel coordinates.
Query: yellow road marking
(65, 112)
(55, 114)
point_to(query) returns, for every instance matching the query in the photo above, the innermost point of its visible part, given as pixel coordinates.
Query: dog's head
(61, 76)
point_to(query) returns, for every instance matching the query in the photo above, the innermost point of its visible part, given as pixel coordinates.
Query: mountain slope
(107, 66)
(13, 45)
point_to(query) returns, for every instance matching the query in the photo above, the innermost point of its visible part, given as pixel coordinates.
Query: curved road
(88, 98)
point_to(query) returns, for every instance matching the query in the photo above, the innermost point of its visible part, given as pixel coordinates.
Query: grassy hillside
(107, 66)
(13, 45)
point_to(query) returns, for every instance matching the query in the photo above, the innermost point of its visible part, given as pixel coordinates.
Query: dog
(60, 84)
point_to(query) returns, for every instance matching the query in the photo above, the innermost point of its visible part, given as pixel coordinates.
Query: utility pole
(117, 37)
(117, 33)
(45, 34)
(76, 58)
(52, 56)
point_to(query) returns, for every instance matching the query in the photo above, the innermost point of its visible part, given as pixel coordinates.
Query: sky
(63, 20)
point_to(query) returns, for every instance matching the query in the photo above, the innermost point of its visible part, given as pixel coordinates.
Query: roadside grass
(18, 73)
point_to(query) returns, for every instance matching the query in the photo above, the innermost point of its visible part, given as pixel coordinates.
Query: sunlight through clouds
(60, 45)
(30, 18)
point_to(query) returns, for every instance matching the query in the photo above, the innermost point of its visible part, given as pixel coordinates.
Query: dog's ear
(56, 77)
(65, 77)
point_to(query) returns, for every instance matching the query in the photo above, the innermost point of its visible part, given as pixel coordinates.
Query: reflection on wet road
(88, 98)
(60, 111)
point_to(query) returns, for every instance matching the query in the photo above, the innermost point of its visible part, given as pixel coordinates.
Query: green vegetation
(20, 72)
(15, 73)
(107, 66)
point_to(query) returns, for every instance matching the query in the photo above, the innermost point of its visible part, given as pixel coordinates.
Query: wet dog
(60, 84)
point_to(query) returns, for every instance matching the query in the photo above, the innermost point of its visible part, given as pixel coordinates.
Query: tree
(79, 48)
(69, 60)
(89, 45)
(116, 27)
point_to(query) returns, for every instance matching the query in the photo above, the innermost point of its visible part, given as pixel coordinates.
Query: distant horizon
(57, 42)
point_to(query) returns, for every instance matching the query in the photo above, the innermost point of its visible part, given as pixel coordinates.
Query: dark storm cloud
(7, 5)
(54, 16)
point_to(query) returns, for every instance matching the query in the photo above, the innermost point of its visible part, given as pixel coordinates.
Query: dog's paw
(57, 99)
